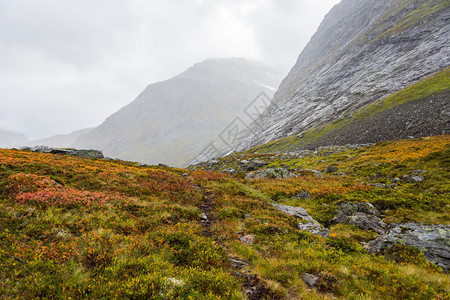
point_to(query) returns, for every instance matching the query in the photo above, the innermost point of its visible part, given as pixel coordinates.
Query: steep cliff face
(172, 121)
(363, 51)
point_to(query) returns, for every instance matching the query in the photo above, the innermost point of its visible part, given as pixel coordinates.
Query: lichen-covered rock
(311, 280)
(314, 228)
(331, 169)
(413, 178)
(362, 215)
(73, 152)
(271, 173)
(297, 212)
(310, 225)
(362, 207)
(304, 195)
(247, 239)
(432, 240)
(368, 222)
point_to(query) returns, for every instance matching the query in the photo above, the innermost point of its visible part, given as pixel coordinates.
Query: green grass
(86, 228)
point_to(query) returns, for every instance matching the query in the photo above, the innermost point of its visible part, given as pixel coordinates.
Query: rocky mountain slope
(362, 52)
(172, 121)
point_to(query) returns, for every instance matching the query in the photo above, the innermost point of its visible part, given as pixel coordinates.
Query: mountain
(362, 52)
(9, 138)
(172, 121)
(59, 140)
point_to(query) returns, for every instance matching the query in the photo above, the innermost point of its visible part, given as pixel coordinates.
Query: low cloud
(67, 65)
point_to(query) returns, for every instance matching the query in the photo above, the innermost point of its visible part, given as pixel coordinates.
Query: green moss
(424, 10)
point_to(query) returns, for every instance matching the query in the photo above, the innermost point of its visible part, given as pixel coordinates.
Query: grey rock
(278, 173)
(297, 212)
(418, 172)
(340, 218)
(204, 217)
(310, 225)
(364, 207)
(432, 240)
(248, 239)
(68, 151)
(311, 280)
(368, 222)
(247, 216)
(258, 163)
(236, 263)
(40, 149)
(304, 195)
(413, 178)
(250, 167)
(314, 228)
(362, 215)
(331, 169)
(380, 185)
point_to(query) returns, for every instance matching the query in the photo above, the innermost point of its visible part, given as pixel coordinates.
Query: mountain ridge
(362, 52)
(172, 121)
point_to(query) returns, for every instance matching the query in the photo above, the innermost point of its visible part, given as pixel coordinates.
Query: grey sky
(67, 65)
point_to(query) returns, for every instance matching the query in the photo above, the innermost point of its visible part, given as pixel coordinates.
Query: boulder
(331, 169)
(362, 215)
(297, 212)
(311, 280)
(257, 163)
(314, 228)
(364, 207)
(413, 178)
(304, 195)
(248, 239)
(368, 222)
(432, 240)
(270, 173)
(68, 151)
(310, 225)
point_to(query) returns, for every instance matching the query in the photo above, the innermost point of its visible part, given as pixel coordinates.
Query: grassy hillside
(433, 85)
(84, 228)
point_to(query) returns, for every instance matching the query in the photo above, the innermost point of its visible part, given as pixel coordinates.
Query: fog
(67, 65)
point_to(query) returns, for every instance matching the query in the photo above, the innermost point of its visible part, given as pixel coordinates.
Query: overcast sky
(68, 64)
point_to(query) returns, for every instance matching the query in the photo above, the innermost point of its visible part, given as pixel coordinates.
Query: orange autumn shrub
(23, 182)
(63, 197)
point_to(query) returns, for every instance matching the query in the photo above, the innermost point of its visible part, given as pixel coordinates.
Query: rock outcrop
(363, 51)
(73, 152)
(432, 240)
(308, 223)
(362, 215)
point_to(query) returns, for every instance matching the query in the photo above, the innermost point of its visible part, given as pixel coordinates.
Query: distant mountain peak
(172, 121)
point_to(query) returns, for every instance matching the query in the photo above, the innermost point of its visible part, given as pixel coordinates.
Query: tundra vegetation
(74, 227)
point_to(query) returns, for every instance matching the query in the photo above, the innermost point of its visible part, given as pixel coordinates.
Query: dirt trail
(253, 287)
